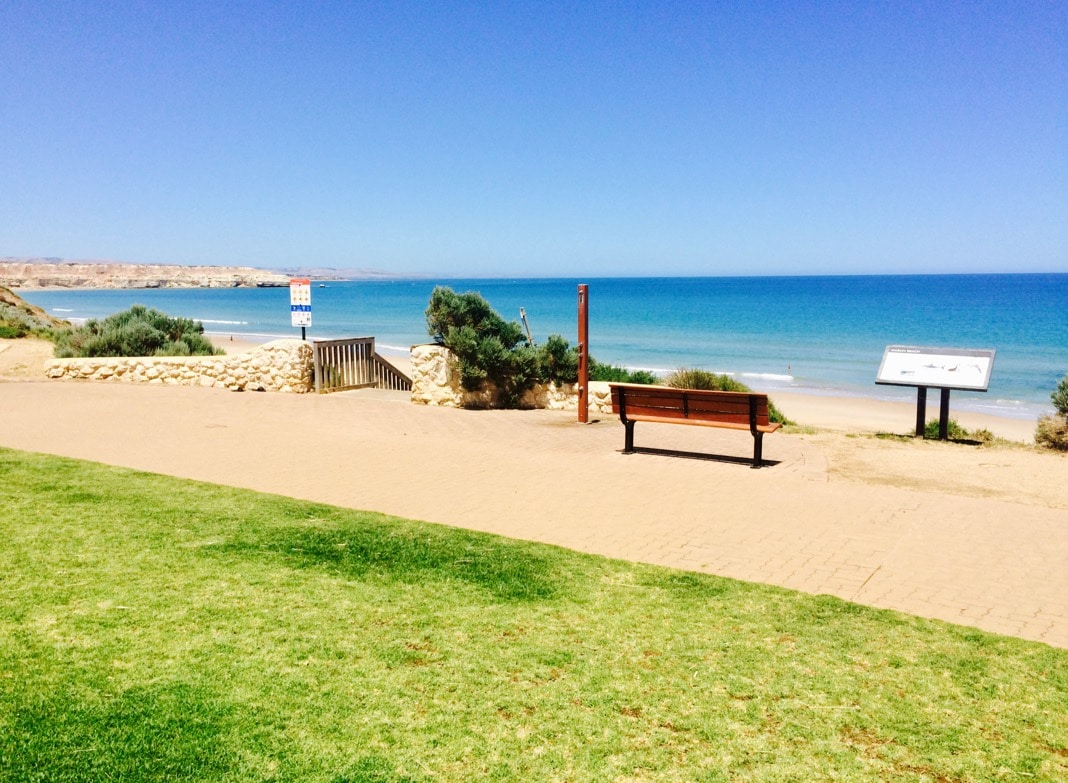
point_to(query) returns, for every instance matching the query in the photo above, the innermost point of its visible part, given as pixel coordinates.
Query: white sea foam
(767, 376)
(1010, 409)
(757, 376)
(226, 323)
(264, 335)
(658, 371)
(405, 349)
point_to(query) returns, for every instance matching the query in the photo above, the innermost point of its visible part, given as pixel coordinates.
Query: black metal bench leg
(628, 438)
(758, 448)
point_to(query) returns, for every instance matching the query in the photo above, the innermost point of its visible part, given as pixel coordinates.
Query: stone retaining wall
(436, 381)
(282, 365)
(287, 366)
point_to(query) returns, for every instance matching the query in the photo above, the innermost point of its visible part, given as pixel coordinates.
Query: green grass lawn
(153, 629)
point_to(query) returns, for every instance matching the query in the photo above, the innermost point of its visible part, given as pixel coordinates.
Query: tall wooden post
(584, 354)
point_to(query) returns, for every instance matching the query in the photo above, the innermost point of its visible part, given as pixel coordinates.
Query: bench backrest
(671, 403)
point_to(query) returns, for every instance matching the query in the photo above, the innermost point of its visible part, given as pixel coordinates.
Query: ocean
(815, 335)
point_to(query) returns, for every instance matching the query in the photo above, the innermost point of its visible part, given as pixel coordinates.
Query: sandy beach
(972, 535)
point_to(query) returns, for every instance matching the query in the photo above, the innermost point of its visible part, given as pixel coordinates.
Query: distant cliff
(57, 273)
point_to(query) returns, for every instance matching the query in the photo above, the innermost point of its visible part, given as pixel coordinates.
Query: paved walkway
(538, 475)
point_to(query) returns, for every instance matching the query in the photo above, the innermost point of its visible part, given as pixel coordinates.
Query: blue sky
(539, 139)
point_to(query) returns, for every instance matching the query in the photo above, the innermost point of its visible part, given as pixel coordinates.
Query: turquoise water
(817, 335)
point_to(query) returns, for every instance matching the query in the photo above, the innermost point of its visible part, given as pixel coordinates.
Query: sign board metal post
(921, 410)
(943, 416)
(300, 304)
(584, 354)
(964, 369)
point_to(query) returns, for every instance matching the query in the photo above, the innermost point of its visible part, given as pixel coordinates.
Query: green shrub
(558, 360)
(611, 373)
(139, 331)
(954, 430)
(492, 352)
(685, 378)
(18, 318)
(1059, 398)
(1052, 432)
(1052, 429)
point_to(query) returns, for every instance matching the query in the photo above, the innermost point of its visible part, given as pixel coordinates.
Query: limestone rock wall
(282, 365)
(20, 274)
(436, 381)
(600, 398)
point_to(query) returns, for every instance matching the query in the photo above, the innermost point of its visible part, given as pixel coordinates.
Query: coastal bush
(492, 352)
(611, 373)
(558, 361)
(1052, 432)
(139, 331)
(18, 318)
(1059, 398)
(685, 378)
(953, 429)
(1052, 429)
(956, 432)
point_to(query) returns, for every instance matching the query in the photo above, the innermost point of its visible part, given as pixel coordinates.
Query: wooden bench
(666, 405)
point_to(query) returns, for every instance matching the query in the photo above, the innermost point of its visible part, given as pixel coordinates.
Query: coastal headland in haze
(62, 273)
(106, 273)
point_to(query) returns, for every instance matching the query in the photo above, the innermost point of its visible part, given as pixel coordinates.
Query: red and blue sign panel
(300, 301)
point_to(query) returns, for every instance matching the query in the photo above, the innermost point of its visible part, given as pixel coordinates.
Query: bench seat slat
(696, 404)
(727, 417)
(698, 422)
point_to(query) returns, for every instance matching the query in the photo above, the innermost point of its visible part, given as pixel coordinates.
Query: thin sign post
(300, 304)
(584, 353)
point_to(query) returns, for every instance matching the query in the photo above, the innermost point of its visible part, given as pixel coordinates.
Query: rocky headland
(58, 273)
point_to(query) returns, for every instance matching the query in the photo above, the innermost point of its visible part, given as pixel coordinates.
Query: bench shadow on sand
(705, 457)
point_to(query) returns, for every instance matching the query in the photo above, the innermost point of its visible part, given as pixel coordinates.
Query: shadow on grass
(507, 570)
(159, 733)
(687, 586)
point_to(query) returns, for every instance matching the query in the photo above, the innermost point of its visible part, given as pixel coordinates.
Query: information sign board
(963, 369)
(300, 301)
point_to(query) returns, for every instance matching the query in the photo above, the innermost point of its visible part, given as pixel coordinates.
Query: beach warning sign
(300, 301)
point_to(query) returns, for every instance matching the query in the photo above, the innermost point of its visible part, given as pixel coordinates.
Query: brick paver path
(997, 565)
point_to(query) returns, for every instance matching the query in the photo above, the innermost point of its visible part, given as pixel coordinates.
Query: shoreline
(778, 361)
